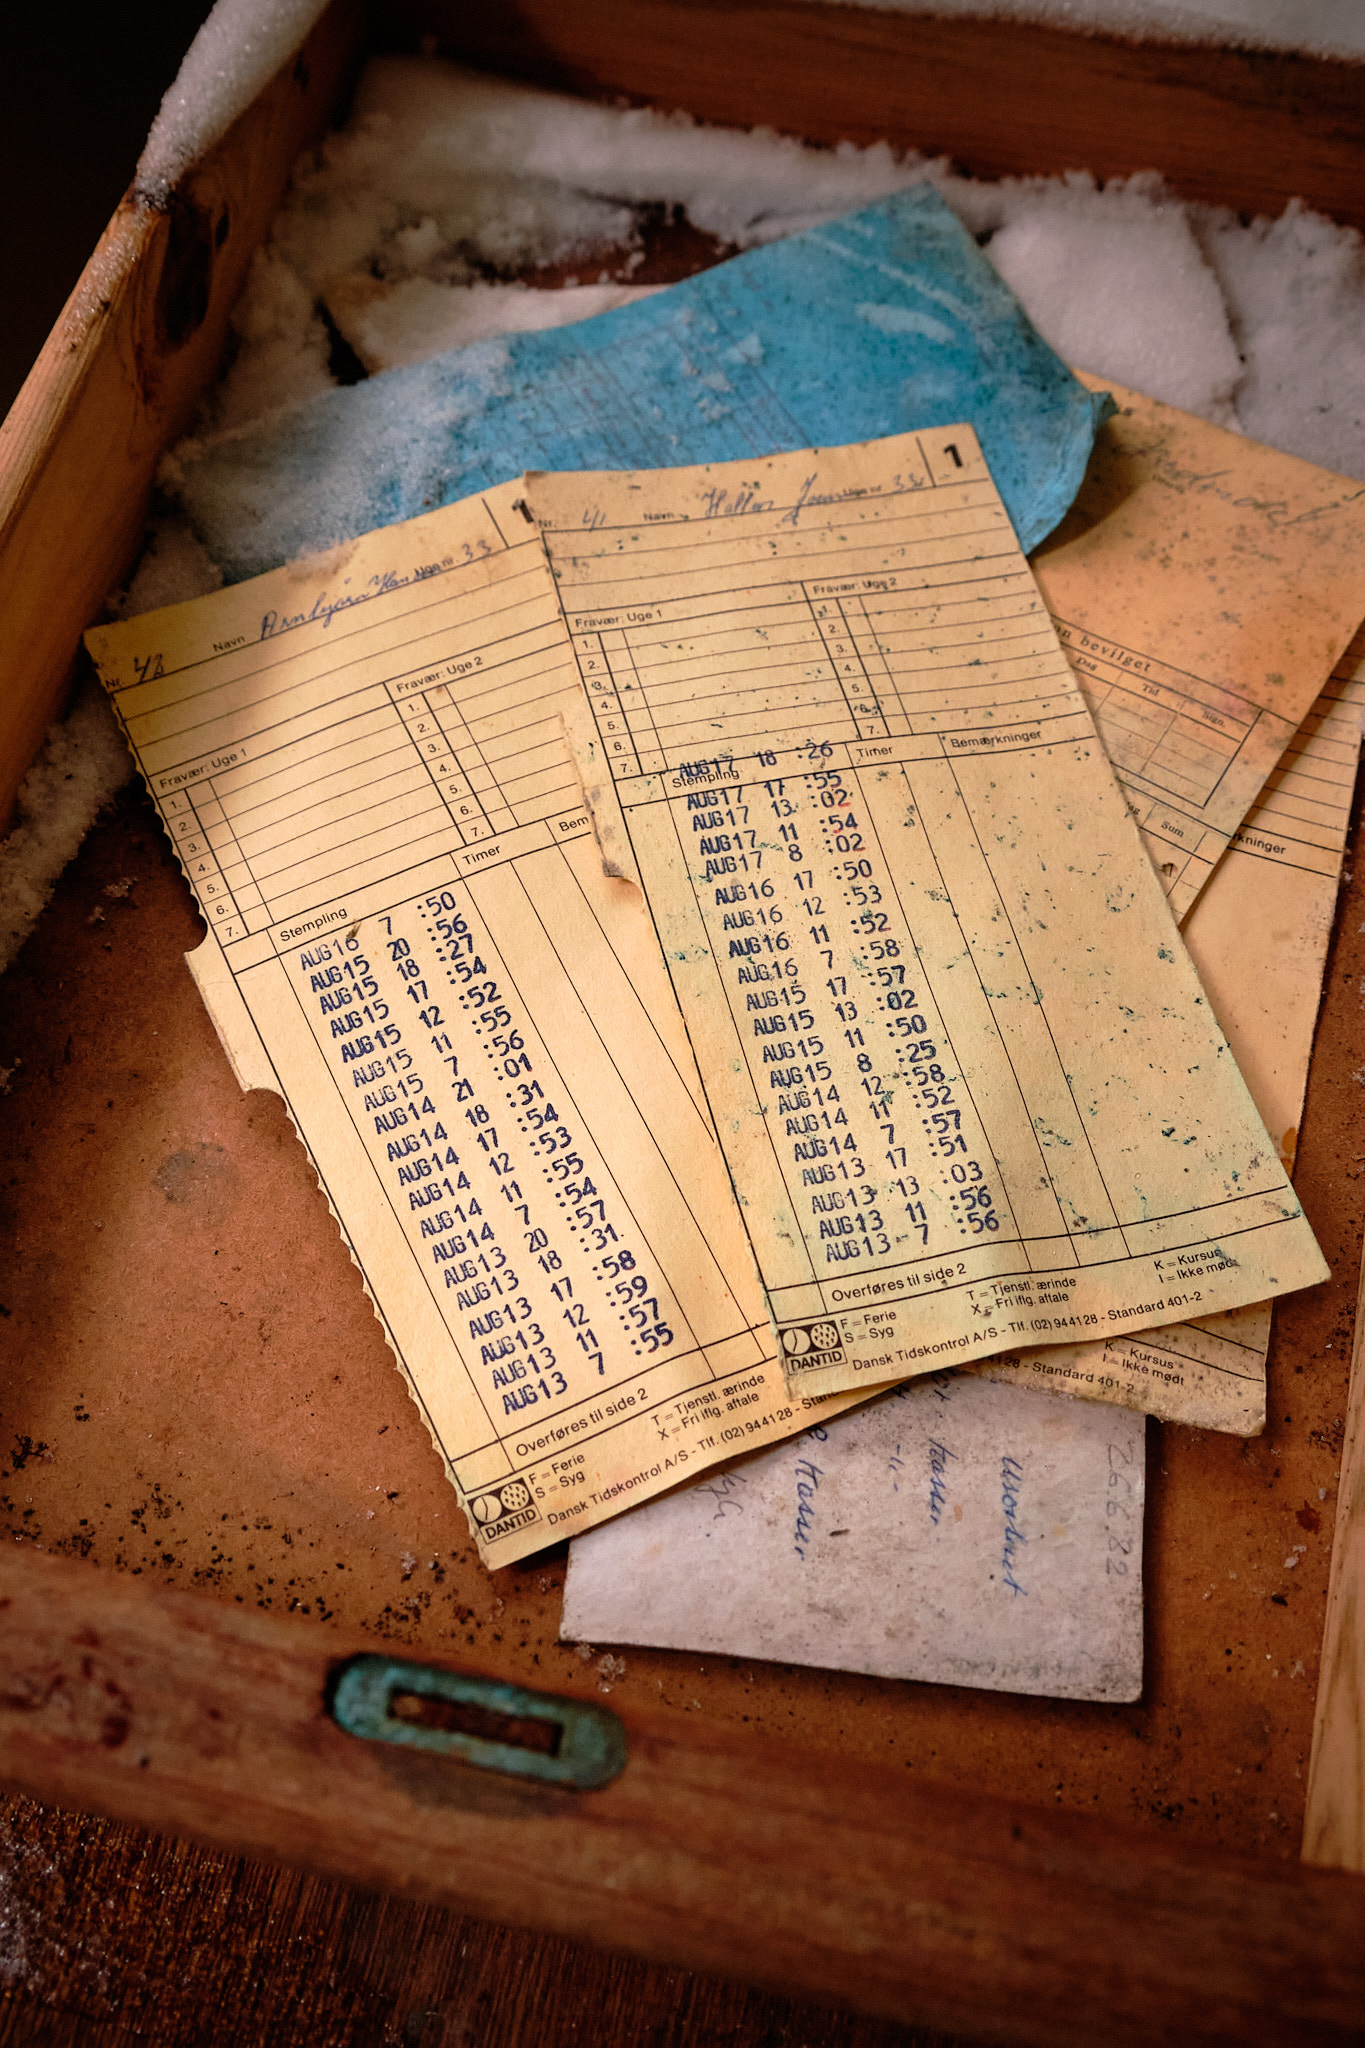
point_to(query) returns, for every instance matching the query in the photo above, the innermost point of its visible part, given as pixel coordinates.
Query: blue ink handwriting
(939, 1455)
(1011, 1474)
(808, 1477)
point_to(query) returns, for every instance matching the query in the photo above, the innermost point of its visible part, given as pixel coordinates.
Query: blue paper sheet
(886, 321)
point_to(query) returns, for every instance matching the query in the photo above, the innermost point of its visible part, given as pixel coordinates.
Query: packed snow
(238, 50)
(421, 222)
(1084, 262)
(83, 763)
(244, 42)
(391, 325)
(1328, 28)
(453, 208)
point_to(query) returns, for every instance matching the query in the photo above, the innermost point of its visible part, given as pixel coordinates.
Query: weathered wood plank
(120, 375)
(208, 1950)
(1334, 1822)
(711, 1850)
(1247, 129)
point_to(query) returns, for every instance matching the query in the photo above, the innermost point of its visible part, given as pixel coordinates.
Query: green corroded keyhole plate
(479, 1721)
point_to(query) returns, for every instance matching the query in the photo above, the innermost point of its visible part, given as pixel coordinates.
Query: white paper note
(953, 1531)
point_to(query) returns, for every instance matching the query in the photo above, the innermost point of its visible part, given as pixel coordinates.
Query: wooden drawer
(1027, 1869)
(142, 334)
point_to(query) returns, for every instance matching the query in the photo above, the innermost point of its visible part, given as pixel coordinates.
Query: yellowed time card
(362, 765)
(1204, 587)
(952, 1045)
(1258, 936)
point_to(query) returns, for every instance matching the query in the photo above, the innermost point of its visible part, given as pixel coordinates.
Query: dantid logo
(809, 1347)
(502, 1509)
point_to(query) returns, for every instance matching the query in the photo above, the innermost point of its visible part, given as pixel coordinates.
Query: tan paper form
(1259, 936)
(1204, 587)
(952, 1046)
(361, 763)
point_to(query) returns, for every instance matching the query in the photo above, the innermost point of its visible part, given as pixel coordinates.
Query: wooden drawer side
(1250, 129)
(119, 377)
(143, 333)
(711, 1850)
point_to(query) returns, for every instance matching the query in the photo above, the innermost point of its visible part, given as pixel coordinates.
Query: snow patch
(1116, 281)
(237, 51)
(83, 763)
(409, 228)
(405, 232)
(1325, 28)
(391, 325)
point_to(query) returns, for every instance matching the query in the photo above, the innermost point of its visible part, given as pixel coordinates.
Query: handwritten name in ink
(325, 606)
(807, 496)
(1011, 1478)
(808, 1477)
(721, 503)
(939, 1454)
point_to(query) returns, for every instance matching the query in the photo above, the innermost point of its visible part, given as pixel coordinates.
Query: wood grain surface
(1334, 1824)
(114, 1938)
(194, 1391)
(120, 376)
(713, 1847)
(1241, 128)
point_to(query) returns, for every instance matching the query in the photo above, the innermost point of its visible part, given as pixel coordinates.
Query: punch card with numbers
(952, 1042)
